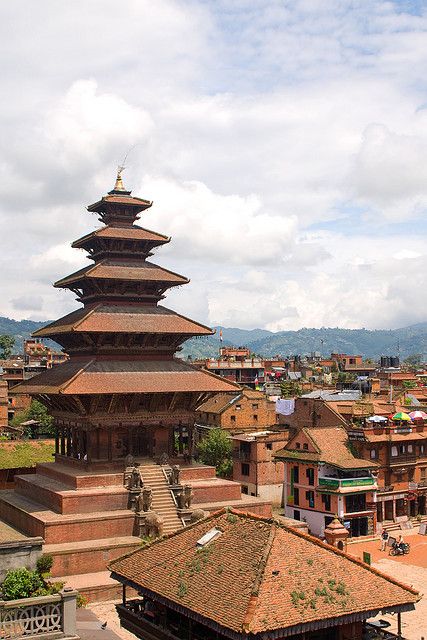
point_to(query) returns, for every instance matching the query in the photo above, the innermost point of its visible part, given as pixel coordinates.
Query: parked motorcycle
(399, 549)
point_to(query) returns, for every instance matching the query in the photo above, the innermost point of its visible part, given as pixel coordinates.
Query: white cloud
(283, 144)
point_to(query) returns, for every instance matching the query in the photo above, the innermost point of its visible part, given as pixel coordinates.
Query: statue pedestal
(133, 497)
(185, 513)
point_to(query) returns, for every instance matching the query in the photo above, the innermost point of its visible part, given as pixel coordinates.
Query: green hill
(406, 341)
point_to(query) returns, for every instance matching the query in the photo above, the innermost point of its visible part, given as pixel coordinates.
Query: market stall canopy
(377, 419)
(402, 416)
(418, 415)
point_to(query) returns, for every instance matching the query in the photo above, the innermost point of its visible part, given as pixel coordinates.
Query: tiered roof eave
(124, 319)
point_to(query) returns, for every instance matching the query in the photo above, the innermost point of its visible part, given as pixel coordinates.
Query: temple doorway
(141, 443)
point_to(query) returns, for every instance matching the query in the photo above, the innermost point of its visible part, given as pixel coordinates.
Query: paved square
(410, 569)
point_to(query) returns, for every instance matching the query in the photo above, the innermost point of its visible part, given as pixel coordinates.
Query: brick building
(313, 410)
(234, 412)
(401, 453)
(323, 477)
(4, 404)
(237, 365)
(254, 465)
(239, 576)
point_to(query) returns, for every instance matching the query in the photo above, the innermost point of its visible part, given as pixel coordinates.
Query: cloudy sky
(284, 143)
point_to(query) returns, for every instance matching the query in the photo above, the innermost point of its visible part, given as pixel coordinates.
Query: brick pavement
(410, 569)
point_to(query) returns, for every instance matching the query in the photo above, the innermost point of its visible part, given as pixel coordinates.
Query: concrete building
(323, 478)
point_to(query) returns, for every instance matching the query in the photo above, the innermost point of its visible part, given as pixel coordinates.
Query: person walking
(384, 539)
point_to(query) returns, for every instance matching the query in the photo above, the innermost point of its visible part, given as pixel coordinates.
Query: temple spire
(119, 186)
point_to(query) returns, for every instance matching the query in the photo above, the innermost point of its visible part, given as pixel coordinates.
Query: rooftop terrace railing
(342, 483)
(44, 616)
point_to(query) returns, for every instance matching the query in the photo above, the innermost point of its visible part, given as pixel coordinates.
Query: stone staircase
(163, 503)
(392, 526)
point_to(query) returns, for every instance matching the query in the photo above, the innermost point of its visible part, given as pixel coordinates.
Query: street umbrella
(418, 415)
(377, 419)
(403, 417)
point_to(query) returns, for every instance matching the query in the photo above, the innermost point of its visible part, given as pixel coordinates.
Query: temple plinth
(123, 391)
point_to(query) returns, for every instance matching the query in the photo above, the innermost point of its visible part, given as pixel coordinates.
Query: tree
(290, 388)
(6, 346)
(24, 583)
(215, 449)
(414, 360)
(38, 412)
(21, 583)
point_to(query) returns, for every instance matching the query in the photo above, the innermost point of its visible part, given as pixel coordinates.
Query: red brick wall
(78, 562)
(310, 412)
(196, 473)
(219, 491)
(253, 414)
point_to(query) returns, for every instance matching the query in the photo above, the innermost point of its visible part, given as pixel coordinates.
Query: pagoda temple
(123, 391)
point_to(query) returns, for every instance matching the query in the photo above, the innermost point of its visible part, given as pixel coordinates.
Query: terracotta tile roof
(218, 403)
(129, 200)
(124, 270)
(133, 232)
(330, 446)
(121, 376)
(125, 319)
(259, 576)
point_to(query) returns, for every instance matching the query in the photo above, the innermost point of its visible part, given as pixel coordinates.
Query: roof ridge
(86, 316)
(76, 375)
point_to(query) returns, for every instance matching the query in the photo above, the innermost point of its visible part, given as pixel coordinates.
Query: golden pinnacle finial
(119, 186)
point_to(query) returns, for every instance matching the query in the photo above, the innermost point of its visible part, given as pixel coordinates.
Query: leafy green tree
(6, 346)
(24, 583)
(414, 360)
(215, 449)
(409, 384)
(290, 388)
(21, 583)
(38, 412)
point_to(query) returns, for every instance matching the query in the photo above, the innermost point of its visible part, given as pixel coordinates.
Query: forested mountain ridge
(368, 343)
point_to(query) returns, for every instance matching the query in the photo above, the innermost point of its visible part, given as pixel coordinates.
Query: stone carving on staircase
(174, 475)
(129, 460)
(164, 459)
(180, 500)
(134, 486)
(135, 480)
(146, 498)
(188, 496)
(150, 524)
(198, 514)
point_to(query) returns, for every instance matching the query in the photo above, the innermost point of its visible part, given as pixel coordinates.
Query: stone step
(63, 499)
(77, 478)
(97, 586)
(88, 556)
(35, 520)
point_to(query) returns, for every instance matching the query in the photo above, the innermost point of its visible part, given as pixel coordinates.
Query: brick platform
(84, 519)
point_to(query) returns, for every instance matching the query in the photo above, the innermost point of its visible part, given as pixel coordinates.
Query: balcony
(335, 484)
(403, 458)
(243, 456)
